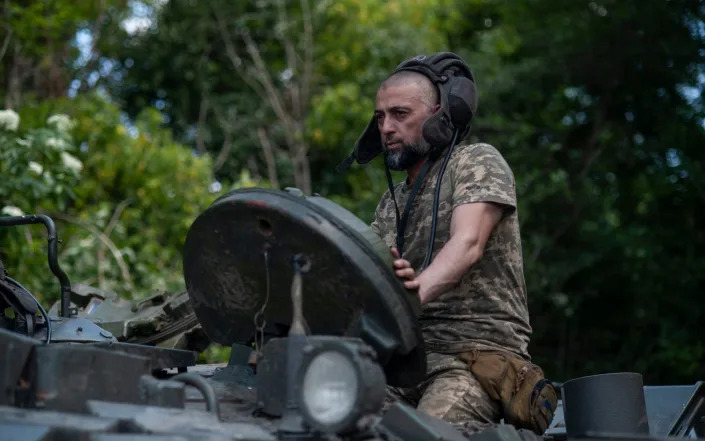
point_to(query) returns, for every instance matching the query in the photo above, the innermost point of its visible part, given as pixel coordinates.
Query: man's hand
(404, 271)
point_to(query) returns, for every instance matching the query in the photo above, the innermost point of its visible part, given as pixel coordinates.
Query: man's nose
(386, 127)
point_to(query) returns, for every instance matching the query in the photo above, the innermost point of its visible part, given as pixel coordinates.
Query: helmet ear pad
(438, 129)
(458, 104)
(462, 101)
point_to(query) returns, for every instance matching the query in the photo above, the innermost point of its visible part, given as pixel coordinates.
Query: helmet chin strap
(401, 220)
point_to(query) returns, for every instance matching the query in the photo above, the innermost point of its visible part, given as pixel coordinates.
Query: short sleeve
(480, 174)
(384, 222)
(375, 225)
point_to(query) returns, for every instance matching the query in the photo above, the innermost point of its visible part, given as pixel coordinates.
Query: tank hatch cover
(238, 266)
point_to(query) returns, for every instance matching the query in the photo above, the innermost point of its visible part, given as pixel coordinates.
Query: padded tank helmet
(458, 100)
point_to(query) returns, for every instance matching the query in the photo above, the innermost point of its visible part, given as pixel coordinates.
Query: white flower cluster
(35, 167)
(71, 162)
(9, 120)
(57, 143)
(10, 210)
(61, 122)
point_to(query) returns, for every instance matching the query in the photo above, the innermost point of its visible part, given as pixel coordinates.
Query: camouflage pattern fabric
(451, 393)
(488, 308)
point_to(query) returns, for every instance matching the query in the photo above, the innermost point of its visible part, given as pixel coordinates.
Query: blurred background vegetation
(125, 119)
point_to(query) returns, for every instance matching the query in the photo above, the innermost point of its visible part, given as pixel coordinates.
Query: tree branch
(252, 166)
(308, 52)
(108, 230)
(116, 215)
(224, 151)
(6, 43)
(105, 240)
(266, 80)
(8, 37)
(268, 151)
(235, 59)
(291, 58)
(227, 126)
(202, 111)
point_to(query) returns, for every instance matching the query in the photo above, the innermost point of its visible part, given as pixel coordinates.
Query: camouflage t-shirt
(488, 308)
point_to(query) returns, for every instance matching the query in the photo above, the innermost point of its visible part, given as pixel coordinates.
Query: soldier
(471, 284)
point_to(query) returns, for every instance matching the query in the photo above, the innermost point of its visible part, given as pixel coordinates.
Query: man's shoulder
(479, 154)
(477, 150)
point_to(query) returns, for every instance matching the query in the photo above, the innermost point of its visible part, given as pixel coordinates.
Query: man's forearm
(449, 266)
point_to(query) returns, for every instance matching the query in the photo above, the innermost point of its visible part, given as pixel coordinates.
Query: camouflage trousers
(450, 392)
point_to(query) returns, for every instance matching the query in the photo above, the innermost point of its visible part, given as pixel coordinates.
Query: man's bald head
(426, 92)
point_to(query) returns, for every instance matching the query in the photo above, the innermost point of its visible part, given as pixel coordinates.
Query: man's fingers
(402, 263)
(411, 284)
(406, 273)
(403, 270)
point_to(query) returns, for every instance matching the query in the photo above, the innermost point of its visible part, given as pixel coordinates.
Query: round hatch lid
(238, 265)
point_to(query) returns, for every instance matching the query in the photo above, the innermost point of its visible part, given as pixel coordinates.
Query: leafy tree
(124, 222)
(597, 107)
(38, 165)
(254, 82)
(38, 55)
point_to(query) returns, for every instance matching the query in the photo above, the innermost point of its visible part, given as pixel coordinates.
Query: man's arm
(470, 227)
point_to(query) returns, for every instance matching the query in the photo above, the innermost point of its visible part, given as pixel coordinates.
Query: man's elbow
(474, 249)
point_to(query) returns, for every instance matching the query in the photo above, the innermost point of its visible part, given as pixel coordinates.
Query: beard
(409, 154)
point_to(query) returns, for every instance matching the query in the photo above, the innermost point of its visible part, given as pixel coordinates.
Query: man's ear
(435, 108)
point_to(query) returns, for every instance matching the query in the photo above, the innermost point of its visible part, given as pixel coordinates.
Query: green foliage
(180, 65)
(597, 106)
(124, 222)
(39, 173)
(38, 165)
(39, 57)
(605, 147)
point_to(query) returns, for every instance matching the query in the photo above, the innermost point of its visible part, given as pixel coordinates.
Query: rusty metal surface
(348, 282)
(76, 329)
(64, 376)
(24, 432)
(15, 350)
(160, 358)
(405, 423)
(153, 419)
(164, 393)
(158, 437)
(60, 420)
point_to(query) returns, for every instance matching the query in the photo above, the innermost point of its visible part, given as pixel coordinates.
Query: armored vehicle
(318, 324)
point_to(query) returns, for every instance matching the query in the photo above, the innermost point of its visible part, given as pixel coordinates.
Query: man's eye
(400, 113)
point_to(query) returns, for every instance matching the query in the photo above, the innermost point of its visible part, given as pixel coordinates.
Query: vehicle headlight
(340, 382)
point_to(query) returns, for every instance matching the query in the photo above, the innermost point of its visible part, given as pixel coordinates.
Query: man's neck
(412, 173)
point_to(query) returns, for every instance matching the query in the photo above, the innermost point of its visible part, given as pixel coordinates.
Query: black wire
(41, 308)
(436, 197)
(390, 183)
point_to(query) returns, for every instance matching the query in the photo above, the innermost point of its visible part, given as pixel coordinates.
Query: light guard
(340, 382)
